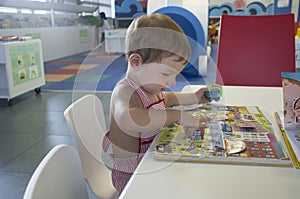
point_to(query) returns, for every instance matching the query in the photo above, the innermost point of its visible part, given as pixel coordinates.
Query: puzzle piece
(214, 93)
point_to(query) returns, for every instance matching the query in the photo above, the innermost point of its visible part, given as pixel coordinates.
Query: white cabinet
(21, 68)
(115, 41)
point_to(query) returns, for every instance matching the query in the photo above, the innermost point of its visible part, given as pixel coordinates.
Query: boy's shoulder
(126, 94)
(123, 89)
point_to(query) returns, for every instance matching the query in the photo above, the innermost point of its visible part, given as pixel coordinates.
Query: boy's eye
(165, 74)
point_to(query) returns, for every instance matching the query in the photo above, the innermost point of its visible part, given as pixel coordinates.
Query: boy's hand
(201, 97)
(213, 93)
(189, 120)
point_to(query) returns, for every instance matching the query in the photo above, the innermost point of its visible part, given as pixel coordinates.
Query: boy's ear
(135, 60)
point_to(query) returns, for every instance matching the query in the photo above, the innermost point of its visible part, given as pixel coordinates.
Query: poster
(83, 34)
(25, 62)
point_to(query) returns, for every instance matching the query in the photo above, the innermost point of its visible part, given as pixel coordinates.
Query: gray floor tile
(13, 184)
(29, 159)
(34, 122)
(12, 145)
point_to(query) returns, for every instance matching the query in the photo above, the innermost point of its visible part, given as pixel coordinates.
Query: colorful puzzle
(236, 135)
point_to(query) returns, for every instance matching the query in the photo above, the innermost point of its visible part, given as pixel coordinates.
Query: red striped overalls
(123, 168)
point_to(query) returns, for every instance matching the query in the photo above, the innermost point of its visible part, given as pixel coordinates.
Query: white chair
(85, 117)
(59, 176)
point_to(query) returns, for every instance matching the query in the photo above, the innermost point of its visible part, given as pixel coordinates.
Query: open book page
(294, 138)
(236, 135)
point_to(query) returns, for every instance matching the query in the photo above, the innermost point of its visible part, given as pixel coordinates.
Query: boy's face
(155, 77)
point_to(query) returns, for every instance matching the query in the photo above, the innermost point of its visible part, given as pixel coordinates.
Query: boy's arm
(178, 98)
(203, 95)
(131, 118)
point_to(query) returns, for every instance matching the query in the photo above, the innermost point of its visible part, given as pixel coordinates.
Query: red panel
(254, 50)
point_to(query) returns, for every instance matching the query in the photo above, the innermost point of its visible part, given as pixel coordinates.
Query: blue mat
(95, 71)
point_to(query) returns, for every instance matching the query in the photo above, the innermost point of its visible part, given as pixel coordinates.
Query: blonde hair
(156, 37)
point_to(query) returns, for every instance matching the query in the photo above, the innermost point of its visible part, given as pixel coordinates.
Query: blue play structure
(192, 17)
(193, 29)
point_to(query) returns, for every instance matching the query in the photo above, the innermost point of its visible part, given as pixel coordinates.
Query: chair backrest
(59, 175)
(254, 50)
(85, 117)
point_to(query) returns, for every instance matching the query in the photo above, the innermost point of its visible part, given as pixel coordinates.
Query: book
(9, 38)
(235, 135)
(291, 138)
(289, 119)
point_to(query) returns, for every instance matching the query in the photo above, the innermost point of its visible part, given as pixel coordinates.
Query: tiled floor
(29, 129)
(33, 126)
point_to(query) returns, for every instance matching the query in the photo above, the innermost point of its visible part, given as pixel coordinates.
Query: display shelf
(34, 5)
(115, 41)
(3, 93)
(21, 68)
(58, 42)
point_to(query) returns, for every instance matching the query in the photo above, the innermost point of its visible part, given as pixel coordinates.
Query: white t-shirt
(105, 26)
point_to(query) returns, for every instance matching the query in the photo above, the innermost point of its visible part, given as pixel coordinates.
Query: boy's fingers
(204, 119)
(202, 125)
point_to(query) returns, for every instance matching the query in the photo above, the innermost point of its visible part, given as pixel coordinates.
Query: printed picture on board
(291, 99)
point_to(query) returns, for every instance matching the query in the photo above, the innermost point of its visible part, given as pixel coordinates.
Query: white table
(164, 179)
